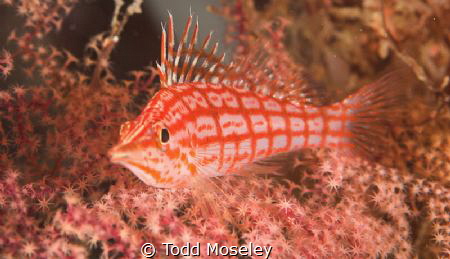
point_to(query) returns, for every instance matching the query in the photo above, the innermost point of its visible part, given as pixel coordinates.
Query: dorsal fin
(257, 71)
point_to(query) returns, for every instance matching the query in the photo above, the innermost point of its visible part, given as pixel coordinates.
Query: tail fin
(372, 109)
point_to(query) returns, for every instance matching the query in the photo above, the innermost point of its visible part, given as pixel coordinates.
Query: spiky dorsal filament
(257, 71)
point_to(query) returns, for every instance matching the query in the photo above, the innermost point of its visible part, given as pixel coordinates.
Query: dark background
(139, 44)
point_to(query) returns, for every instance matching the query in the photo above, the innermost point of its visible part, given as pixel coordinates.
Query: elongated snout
(121, 152)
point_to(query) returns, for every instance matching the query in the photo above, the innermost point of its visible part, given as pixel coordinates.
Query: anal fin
(270, 165)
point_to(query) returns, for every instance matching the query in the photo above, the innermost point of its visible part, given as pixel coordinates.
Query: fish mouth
(121, 153)
(116, 157)
(125, 155)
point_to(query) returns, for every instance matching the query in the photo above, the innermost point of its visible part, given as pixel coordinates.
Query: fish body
(215, 124)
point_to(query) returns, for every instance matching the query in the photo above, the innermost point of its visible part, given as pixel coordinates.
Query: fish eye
(165, 136)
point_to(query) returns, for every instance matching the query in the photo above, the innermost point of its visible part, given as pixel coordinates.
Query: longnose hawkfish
(212, 118)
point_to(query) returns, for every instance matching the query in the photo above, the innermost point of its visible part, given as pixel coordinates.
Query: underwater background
(73, 71)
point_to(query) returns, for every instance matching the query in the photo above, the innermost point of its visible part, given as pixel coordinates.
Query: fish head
(152, 153)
